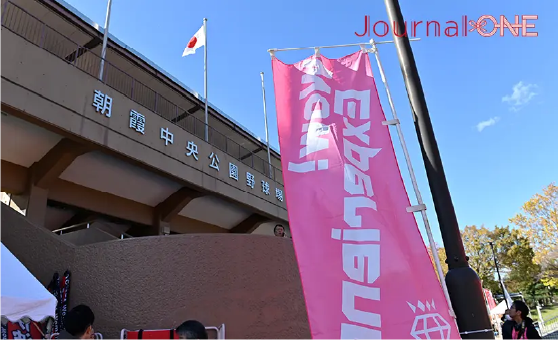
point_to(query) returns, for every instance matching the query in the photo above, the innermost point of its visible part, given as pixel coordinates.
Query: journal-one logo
(485, 25)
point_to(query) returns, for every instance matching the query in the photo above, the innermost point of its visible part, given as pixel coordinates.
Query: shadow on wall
(248, 282)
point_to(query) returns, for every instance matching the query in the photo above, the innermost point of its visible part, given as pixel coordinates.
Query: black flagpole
(499, 273)
(464, 286)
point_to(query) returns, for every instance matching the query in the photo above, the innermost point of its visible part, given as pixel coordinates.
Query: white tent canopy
(23, 296)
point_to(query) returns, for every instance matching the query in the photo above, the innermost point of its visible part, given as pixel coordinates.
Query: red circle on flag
(192, 42)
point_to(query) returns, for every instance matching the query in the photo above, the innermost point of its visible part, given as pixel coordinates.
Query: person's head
(192, 329)
(519, 310)
(279, 230)
(79, 322)
(506, 316)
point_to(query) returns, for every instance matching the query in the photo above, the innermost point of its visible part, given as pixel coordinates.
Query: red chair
(164, 333)
(149, 334)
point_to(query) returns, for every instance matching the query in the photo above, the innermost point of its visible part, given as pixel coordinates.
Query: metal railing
(548, 326)
(30, 28)
(81, 226)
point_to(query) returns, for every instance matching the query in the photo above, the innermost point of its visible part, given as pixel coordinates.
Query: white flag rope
(396, 122)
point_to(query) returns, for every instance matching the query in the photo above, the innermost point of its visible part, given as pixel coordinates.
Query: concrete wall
(42, 252)
(249, 282)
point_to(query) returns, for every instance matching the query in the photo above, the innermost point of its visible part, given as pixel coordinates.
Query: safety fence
(548, 326)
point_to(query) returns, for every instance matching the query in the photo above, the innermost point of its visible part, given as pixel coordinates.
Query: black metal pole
(499, 273)
(464, 286)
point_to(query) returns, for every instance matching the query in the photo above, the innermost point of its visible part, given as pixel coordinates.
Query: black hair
(192, 329)
(520, 306)
(78, 320)
(276, 227)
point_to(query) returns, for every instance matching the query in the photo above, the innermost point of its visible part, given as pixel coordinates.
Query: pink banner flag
(364, 267)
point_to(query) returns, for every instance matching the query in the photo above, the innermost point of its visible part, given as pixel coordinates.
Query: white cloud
(487, 123)
(521, 95)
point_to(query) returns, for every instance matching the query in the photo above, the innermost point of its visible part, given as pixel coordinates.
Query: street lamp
(464, 286)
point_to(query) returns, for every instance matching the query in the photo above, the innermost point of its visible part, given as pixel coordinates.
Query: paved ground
(552, 335)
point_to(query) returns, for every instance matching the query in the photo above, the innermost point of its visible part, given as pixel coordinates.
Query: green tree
(538, 293)
(513, 252)
(538, 223)
(515, 256)
(476, 245)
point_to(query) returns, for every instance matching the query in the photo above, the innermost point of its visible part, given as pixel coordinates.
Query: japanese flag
(198, 40)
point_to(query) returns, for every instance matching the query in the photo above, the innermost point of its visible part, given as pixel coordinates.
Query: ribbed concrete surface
(249, 282)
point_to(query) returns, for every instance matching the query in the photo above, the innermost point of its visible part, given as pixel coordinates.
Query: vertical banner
(364, 267)
(489, 298)
(4, 333)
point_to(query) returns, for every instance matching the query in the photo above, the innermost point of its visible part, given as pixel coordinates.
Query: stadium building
(111, 177)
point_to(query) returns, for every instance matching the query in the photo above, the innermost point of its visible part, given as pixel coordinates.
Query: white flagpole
(206, 79)
(105, 38)
(413, 181)
(266, 123)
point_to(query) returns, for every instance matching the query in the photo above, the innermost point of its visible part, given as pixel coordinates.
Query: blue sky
(510, 83)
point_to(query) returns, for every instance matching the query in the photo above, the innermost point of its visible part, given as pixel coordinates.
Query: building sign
(167, 136)
(265, 187)
(137, 122)
(233, 171)
(250, 180)
(192, 150)
(215, 161)
(279, 194)
(102, 103)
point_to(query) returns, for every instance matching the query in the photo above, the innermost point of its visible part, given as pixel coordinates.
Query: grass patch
(548, 312)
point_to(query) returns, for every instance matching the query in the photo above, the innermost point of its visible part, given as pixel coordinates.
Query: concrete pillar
(36, 205)
(166, 210)
(45, 172)
(164, 228)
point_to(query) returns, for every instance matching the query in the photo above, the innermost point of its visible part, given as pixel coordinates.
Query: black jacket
(531, 331)
(506, 329)
(65, 335)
